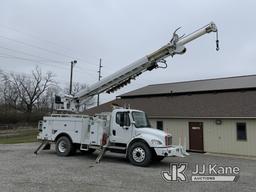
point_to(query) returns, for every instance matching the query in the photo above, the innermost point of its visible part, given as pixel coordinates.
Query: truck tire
(139, 154)
(64, 147)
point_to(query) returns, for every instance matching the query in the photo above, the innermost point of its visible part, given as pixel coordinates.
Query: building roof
(236, 104)
(208, 85)
(232, 97)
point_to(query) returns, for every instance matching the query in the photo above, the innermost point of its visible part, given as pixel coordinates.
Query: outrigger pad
(47, 146)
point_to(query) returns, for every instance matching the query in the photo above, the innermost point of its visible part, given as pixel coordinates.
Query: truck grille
(168, 140)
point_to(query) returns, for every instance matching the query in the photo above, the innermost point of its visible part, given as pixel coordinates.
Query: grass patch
(19, 136)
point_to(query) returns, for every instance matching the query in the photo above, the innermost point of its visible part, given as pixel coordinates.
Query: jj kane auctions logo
(203, 173)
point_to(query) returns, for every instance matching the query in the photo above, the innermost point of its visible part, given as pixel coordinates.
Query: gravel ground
(21, 170)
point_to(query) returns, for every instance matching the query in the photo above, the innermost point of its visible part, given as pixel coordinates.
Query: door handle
(114, 132)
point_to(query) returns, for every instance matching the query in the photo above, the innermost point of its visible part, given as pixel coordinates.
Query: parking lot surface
(21, 170)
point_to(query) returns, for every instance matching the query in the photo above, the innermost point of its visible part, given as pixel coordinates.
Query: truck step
(116, 147)
(84, 147)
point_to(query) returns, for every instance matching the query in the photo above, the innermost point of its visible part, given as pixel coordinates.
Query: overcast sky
(51, 33)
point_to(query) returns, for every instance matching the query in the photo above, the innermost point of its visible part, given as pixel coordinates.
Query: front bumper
(177, 150)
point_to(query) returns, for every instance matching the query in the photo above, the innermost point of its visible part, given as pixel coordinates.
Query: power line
(55, 61)
(46, 59)
(51, 42)
(35, 46)
(41, 48)
(30, 60)
(31, 45)
(36, 37)
(109, 69)
(86, 68)
(21, 58)
(6, 56)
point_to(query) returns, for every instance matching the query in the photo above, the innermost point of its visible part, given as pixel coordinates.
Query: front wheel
(64, 147)
(139, 154)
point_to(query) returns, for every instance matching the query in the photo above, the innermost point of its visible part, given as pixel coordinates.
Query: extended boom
(130, 72)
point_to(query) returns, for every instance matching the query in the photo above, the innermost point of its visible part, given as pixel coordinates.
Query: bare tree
(31, 88)
(8, 92)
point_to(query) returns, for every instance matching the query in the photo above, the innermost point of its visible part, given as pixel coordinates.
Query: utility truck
(123, 130)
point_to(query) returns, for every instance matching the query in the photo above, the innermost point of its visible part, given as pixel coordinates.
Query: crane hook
(217, 41)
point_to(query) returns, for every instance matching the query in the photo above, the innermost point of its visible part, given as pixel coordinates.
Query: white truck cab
(124, 131)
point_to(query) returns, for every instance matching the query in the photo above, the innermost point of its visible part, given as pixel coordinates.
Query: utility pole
(100, 66)
(71, 76)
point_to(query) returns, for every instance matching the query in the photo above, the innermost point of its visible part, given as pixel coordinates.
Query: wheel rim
(138, 154)
(62, 146)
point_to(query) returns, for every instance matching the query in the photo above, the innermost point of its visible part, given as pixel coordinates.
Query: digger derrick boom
(149, 62)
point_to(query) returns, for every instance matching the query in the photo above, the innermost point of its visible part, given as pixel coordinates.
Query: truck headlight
(156, 142)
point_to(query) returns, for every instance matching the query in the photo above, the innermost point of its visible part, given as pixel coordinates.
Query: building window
(159, 125)
(241, 131)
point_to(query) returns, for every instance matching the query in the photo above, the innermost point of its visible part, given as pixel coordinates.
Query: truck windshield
(140, 119)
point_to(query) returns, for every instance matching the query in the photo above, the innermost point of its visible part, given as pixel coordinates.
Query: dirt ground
(22, 171)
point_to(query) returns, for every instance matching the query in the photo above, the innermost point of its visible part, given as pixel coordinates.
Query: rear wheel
(64, 147)
(139, 154)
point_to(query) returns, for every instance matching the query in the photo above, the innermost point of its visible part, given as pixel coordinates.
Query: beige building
(214, 115)
(215, 138)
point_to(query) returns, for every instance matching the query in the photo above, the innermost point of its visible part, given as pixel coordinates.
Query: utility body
(123, 130)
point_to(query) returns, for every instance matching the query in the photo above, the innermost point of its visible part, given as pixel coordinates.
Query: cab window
(140, 119)
(123, 119)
